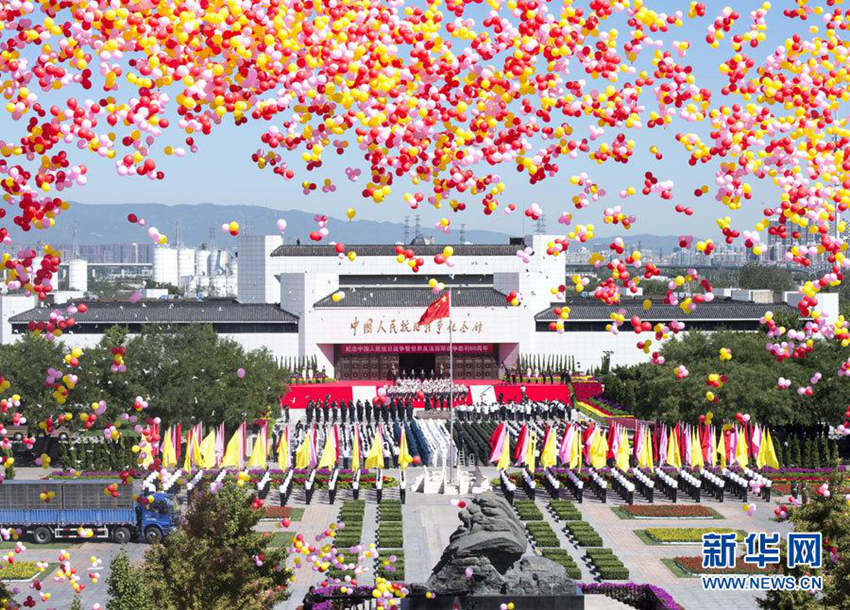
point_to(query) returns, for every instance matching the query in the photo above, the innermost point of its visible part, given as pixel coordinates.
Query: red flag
(436, 310)
(494, 438)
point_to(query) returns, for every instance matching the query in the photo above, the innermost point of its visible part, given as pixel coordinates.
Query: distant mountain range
(108, 224)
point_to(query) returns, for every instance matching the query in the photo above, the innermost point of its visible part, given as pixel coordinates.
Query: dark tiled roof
(370, 296)
(389, 250)
(167, 311)
(719, 310)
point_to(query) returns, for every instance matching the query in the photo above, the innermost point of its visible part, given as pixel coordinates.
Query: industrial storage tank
(185, 262)
(202, 262)
(78, 275)
(218, 262)
(165, 265)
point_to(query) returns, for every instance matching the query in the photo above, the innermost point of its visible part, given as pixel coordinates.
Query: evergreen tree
(831, 517)
(836, 457)
(76, 604)
(807, 454)
(825, 453)
(815, 454)
(796, 459)
(215, 560)
(126, 586)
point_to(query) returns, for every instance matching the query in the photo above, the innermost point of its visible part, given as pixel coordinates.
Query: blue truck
(82, 503)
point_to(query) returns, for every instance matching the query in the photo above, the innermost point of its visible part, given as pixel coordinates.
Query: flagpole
(453, 466)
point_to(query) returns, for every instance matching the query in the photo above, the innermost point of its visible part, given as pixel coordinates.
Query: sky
(222, 171)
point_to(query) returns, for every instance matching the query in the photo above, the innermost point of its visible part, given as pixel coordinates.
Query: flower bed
(21, 570)
(688, 535)
(280, 512)
(637, 596)
(562, 557)
(666, 511)
(693, 565)
(528, 510)
(564, 510)
(92, 474)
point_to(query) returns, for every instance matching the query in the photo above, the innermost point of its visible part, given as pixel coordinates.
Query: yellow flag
(505, 458)
(302, 455)
(375, 457)
(575, 452)
(531, 453)
(549, 455)
(761, 454)
(770, 452)
(404, 457)
(233, 453)
(741, 450)
(598, 450)
(207, 451)
(622, 457)
(647, 461)
(674, 456)
(328, 459)
(258, 453)
(355, 451)
(193, 453)
(283, 450)
(721, 448)
(696, 451)
(712, 450)
(167, 453)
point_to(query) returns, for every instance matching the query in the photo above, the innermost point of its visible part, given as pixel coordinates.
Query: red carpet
(300, 394)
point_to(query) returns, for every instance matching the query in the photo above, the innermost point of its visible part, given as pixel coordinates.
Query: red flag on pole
(436, 310)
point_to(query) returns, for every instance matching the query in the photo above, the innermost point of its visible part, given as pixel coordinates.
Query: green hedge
(393, 571)
(607, 564)
(563, 558)
(564, 510)
(528, 510)
(542, 534)
(390, 510)
(584, 533)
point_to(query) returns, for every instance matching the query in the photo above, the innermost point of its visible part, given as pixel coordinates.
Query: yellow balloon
(351, 213)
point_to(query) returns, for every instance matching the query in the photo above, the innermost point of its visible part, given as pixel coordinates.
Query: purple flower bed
(646, 597)
(359, 593)
(89, 474)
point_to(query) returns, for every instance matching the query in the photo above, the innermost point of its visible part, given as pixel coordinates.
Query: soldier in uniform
(310, 412)
(409, 406)
(326, 407)
(359, 411)
(368, 409)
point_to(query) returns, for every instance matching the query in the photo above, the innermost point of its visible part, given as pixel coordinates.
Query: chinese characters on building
(394, 327)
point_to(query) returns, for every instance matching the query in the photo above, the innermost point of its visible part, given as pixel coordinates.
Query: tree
(127, 587)
(76, 604)
(215, 560)
(831, 517)
(755, 276)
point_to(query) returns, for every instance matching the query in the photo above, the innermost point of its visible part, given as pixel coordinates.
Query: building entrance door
(414, 364)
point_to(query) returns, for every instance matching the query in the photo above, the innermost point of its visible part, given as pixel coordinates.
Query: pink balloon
(240, 372)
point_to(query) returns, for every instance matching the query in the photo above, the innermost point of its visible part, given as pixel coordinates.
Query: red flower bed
(694, 566)
(277, 512)
(668, 510)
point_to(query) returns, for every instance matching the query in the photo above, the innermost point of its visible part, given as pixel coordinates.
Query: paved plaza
(429, 520)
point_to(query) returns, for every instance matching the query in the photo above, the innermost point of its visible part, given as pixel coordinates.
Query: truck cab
(157, 518)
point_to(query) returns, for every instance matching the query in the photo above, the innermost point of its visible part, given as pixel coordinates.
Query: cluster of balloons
(231, 227)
